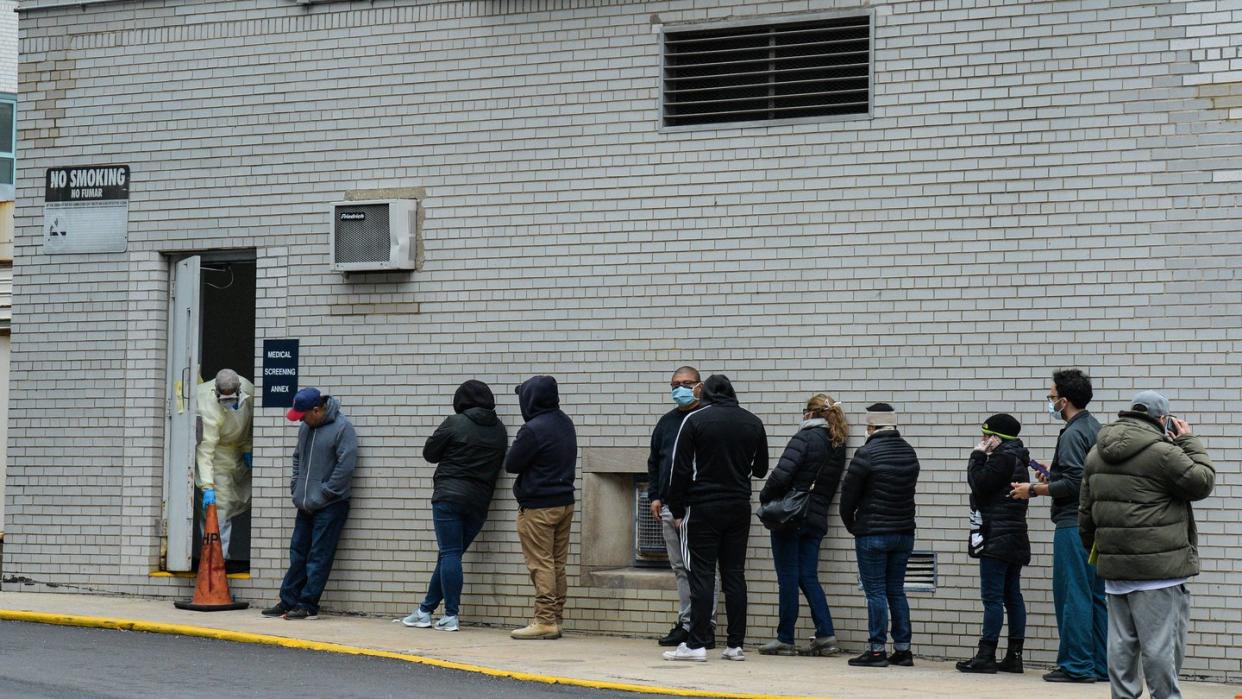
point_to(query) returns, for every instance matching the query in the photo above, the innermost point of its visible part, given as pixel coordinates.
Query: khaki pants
(544, 533)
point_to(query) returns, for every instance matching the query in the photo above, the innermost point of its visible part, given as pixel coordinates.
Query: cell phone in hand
(1170, 427)
(1040, 468)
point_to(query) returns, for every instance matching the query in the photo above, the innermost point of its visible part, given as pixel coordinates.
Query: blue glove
(248, 459)
(209, 497)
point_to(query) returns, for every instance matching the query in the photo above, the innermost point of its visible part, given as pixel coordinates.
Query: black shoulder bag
(788, 512)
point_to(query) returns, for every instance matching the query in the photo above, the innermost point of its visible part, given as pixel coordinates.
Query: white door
(180, 435)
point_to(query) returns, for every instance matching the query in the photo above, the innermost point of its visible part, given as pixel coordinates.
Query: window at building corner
(789, 70)
(8, 136)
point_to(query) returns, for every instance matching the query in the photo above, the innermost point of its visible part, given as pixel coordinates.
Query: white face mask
(1052, 408)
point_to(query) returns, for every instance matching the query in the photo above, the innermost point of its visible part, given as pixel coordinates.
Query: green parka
(1135, 501)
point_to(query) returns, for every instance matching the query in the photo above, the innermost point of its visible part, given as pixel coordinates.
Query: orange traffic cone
(211, 591)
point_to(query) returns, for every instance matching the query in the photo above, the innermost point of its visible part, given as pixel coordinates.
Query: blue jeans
(1082, 610)
(1000, 587)
(455, 530)
(797, 566)
(882, 563)
(312, 549)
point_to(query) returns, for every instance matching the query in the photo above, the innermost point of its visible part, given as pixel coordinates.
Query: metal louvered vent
(790, 70)
(920, 572)
(649, 550)
(362, 233)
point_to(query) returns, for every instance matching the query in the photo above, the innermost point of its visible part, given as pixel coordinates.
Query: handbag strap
(820, 471)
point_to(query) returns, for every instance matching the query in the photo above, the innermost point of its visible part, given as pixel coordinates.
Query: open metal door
(180, 435)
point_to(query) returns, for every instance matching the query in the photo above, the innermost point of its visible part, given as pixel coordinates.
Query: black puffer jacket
(719, 448)
(809, 458)
(1004, 518)
(469, 448)
(877, 495)
(544, 455)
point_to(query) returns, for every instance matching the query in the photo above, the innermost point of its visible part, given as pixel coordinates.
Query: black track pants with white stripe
(716, 534)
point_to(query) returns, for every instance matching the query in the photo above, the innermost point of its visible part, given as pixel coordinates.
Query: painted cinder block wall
(1041, 184)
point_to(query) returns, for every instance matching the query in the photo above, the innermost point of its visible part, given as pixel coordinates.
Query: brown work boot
(535, 631)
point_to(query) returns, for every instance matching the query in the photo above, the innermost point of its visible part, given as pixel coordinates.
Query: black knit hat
(1002, 425)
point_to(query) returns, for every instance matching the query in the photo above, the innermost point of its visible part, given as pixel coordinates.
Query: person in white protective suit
(226, 408)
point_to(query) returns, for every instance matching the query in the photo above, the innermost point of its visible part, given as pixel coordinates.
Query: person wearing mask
(1077, 592)
(222, 458)
(469, 448)
(718, 449)
(1135, 511)
(877, 507)
(544, 458)
(323, 467)
(686, 387)
(999, 540)
(813, 462)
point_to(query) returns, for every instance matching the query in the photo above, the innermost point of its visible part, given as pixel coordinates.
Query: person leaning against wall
(685, 387)
(877, 507)
(468, 449)
(323, 468)
(998, 538)
(812, 462)
(544, 458)
(1135, 511)
(1077, 592)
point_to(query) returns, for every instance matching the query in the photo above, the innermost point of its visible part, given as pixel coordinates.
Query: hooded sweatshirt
(1134, 506)
(469, 448)
(718, 449)
(324, 461)
(544, 455)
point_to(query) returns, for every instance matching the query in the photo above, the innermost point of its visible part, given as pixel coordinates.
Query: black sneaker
(676, 636)
(1059, 675)
(903, 658)
(300, 613)
(870, 658)
(278, 610)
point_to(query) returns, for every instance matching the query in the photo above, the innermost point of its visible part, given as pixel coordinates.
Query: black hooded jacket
(717, 451)
(1004, 518)
(469, 448)
(877, 494)
(545, 453)
(810, 458)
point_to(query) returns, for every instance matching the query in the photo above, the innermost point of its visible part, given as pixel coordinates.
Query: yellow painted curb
(264, 639)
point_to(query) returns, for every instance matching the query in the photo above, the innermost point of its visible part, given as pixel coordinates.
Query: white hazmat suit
(227, 434)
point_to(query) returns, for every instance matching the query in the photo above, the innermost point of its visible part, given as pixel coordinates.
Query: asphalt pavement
(38, 661)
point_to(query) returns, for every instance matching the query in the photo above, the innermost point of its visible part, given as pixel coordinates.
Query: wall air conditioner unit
(369, 236)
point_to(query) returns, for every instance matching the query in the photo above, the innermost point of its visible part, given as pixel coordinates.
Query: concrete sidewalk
(594, 659)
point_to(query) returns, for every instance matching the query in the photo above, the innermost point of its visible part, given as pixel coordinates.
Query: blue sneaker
(447, 623)
(418, 619)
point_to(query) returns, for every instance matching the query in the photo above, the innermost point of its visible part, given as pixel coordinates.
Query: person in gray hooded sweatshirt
(323, 464)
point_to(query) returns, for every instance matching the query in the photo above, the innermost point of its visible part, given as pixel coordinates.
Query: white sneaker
(418, 619)
(733, 654)
(684, 652)
(447, 623)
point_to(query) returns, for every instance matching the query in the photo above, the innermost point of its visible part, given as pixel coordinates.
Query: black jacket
(877, 495)
(1068, 461)
(718, 449)
(1004, 518)
(469, 448)
(660, 457)
(809, 458)
(545, 453)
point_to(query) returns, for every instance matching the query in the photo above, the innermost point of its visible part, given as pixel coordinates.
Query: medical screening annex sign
(86, 209)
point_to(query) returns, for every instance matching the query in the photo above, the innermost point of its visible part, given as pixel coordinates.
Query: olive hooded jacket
(1134, 506)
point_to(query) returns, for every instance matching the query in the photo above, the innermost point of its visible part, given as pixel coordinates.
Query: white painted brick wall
(1043, 184)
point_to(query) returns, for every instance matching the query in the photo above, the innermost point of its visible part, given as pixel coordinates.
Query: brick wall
(1042, 184)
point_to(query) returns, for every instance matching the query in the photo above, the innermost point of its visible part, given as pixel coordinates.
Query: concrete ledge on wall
(632, 578)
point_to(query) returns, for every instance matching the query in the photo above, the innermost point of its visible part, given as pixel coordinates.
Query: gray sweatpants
(1147, 637)
(672, 543)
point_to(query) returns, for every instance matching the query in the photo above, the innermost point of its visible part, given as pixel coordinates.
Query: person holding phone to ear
(998, 538)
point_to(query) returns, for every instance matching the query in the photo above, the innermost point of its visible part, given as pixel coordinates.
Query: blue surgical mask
(683, 396)
(1052, 409)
